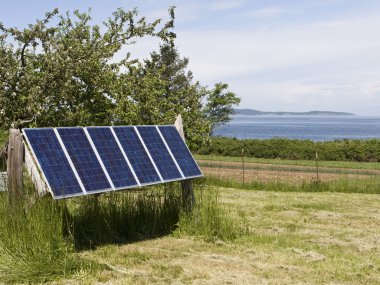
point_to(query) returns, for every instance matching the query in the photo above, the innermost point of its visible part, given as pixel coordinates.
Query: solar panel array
(77, 161)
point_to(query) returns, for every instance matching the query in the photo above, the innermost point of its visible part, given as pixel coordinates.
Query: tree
(57, 72)
(219, 104)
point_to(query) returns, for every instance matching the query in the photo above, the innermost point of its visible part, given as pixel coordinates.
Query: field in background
(270, 173)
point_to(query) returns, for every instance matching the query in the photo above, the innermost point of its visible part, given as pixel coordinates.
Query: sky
(276, 55)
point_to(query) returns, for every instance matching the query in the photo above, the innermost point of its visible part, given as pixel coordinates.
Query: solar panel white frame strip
(37, 162)
(170, 152)
(125, 156)
(147, 151)
(70, 161)
(200, 170)
(98, 157)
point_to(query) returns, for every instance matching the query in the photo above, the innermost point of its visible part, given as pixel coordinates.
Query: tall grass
(210, 220)
(124, 217)
(33, 248)
(39, 243)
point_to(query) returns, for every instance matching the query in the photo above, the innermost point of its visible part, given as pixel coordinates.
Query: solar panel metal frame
(183, 140)
(125, 156)
(40, 170)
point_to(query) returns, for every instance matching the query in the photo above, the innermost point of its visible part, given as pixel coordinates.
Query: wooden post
(188, 198)
(15, 167)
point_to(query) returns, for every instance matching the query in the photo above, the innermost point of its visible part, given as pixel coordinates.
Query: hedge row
(338, 150)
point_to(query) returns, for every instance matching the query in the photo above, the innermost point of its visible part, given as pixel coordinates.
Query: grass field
(295, 238)
(263, 231)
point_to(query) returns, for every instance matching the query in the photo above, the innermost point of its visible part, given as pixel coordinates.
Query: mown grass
(333, 164)
(293, 238)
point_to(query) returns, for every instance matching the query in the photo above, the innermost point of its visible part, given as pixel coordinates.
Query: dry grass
(296, 238)
(294, 175)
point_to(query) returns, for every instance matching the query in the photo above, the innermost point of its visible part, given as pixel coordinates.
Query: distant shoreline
(251, 112)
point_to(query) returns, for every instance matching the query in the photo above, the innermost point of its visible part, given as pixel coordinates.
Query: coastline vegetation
(281, 148)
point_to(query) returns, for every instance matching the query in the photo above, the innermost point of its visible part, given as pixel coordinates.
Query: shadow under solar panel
(53, 162)
(84, 159)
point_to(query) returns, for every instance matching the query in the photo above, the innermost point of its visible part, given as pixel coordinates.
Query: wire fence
(244, 172)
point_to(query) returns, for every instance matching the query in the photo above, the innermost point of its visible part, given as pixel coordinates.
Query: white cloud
(327, 65)
(266, 12)
(225, 5)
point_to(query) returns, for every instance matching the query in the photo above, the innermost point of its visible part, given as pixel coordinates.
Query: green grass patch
(34, 247)
(210, 220)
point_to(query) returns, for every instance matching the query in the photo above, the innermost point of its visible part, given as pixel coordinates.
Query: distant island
(251, 112)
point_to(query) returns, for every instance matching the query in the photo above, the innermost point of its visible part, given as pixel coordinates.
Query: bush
(338, 150)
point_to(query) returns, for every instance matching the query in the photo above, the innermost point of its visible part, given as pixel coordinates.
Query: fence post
(188, 198)
(15, 167)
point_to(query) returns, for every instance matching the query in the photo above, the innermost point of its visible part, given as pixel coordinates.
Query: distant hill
(251, 112)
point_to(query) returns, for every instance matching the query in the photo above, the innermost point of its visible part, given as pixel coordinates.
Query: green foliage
(338, 150)
(219, 105)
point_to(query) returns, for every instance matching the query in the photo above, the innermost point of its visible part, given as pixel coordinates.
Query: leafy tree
(219, 105)
(57, 71)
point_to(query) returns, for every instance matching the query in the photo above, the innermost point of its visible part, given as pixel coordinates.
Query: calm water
(301, 127)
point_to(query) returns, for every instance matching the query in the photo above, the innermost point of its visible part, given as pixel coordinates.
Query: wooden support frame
(15, 167)
(188, 197)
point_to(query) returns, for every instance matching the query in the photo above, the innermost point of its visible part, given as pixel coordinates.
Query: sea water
(316, 128)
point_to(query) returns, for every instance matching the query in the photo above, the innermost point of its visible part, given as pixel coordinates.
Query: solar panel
(159, 152)
(84, 159)
(180, 151)
(137, 155)
(77, 161)
(53, 163)
(112, 157)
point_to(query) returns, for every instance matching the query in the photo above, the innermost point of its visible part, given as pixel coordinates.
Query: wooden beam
(15, 167)
(188, 197)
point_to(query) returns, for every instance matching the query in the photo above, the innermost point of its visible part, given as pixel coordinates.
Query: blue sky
(288, 55)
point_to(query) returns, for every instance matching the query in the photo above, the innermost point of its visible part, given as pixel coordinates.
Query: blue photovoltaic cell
(84, 159)
(180, 151)
(53, 162)
(137, 155)
(159, 153)
(112, 157)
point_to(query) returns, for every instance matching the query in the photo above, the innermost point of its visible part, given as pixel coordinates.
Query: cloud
(266, 12)
(332, 65)
(225, 5)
